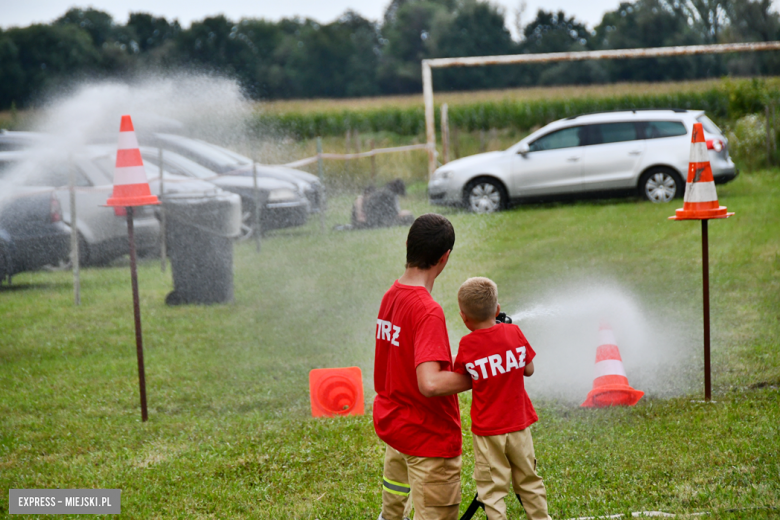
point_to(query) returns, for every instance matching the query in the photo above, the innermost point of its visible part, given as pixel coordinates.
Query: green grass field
(229, 433)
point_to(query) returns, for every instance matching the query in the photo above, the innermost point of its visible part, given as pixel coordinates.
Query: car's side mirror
(523, 148)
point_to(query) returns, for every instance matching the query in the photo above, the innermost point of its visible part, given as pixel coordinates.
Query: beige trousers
(498, 458)
(433, 482)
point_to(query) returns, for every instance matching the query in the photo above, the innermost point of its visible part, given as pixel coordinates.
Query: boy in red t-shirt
(497, 357)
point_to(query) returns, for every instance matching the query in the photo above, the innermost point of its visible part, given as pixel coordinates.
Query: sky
(25, 12)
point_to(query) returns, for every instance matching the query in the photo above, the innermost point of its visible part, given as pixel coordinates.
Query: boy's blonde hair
(478, 298)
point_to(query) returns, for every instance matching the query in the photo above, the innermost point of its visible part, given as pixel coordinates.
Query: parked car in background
(280, 201)
(102, 231)
(32, 233)
(641, 151)
(13, 141)
(226, 162)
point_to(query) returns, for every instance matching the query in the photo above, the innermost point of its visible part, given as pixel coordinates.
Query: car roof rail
(634, 110)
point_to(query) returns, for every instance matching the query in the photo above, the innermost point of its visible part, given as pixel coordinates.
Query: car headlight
(442, 174)
(280, 195)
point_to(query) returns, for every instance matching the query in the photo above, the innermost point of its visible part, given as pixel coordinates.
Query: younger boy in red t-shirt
(497, 357)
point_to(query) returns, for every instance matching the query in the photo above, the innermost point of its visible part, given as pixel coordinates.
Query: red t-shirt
(495, 358)
(411, 330)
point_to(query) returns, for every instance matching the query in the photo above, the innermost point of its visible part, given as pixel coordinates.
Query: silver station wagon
(642, 151)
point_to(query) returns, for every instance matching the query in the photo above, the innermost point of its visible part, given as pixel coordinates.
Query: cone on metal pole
(701, 203)
(131, 188)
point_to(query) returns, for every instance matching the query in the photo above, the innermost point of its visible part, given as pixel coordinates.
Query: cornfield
(723, 100)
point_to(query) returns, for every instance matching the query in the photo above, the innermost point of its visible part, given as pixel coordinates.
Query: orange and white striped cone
(701, 198)
(131, 187)
(610, 386)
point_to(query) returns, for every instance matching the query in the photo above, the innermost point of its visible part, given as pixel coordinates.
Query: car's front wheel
(484, 196)
(661, 185)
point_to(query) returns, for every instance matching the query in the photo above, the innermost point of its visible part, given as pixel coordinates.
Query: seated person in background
(358, 208)
(382, 208)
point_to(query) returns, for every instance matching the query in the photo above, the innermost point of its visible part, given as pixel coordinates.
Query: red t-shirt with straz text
(495, 358)
(411, 330)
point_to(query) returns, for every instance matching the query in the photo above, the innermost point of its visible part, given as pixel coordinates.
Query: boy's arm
(433, 381)
(529, 369)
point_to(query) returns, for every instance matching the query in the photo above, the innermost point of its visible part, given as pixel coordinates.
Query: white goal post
(481, 61)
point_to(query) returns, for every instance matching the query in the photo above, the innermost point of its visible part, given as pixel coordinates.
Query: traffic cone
(701, 199)
(610, 387)
(336, 391)
(131, 188)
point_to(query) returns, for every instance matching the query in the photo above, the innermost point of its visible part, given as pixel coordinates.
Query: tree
(752, 21)
(150, 31)
(334, 60)
(405, 34)
(555, 32)
(475, 29)
(46, 55)
(12, 84)
(652, 23)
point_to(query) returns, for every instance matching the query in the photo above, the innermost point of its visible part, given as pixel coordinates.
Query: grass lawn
(229, 433)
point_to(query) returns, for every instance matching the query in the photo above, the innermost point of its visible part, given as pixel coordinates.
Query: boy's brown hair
(429, 238)
(478, 298)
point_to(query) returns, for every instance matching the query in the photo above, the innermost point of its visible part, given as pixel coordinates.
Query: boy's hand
(433, 381)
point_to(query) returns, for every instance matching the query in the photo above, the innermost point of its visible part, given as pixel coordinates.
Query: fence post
(74, 234)
(481, 140)
(348, 147)
(768, 134)
(320, 171)
(430, 118)
(373, 162)
(445, 134)
(455, 143)
(258, 207)
(772, 126)
(163, 223)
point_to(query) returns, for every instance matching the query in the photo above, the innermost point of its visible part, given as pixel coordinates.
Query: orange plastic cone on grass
(701, 198)
(336, 391)
(131, 187)
(610, 386)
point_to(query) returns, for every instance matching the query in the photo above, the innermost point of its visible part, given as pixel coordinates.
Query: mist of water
(562, 326)
(209, 107)
(193, 104)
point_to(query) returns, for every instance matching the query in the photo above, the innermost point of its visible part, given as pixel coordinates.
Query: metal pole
(445, 134)
(772, 127)
(768, 142)
(139, 342)
(348, 148)
(74, 235)
(163, 246)
(373, 161)
(705, 265)
(455, 143)
(258, 206)
(320, 172)
(430, 125)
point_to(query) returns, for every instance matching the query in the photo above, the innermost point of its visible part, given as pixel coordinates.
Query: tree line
(353, 56)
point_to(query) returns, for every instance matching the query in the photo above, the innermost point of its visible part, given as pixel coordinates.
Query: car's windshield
(106, 165)
(709, 126)
(177, 164)
(33, 172)
(224, 159)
